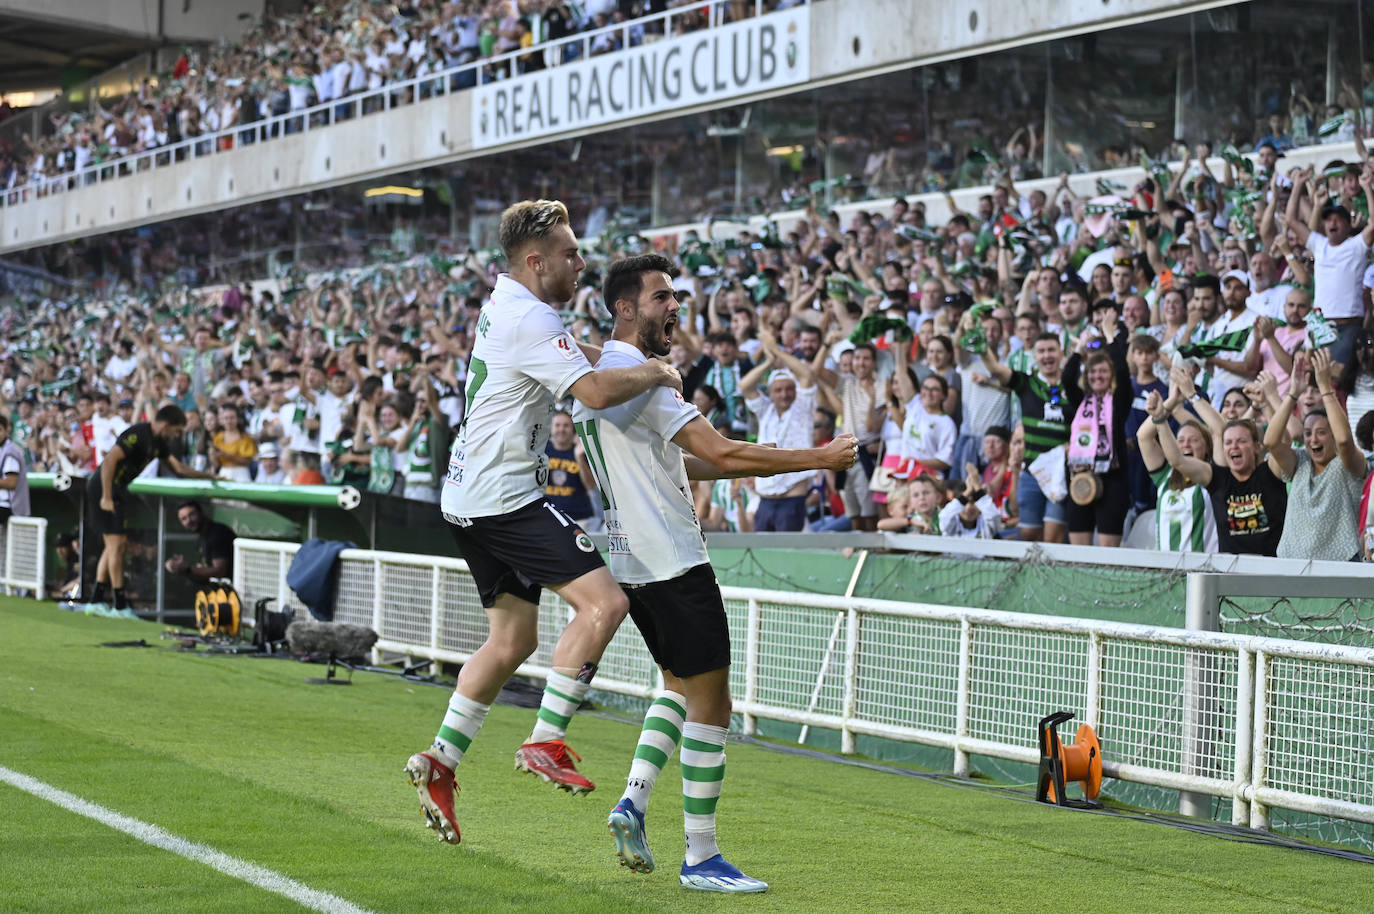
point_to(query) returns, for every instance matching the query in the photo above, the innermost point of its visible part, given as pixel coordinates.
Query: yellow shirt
(236, 453)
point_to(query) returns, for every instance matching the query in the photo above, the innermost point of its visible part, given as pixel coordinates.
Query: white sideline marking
(259, 876)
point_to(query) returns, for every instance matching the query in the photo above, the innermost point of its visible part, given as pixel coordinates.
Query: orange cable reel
(1061, 765)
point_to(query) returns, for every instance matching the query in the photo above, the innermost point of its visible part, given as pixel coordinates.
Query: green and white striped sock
(562, 695)
(657, 742)
(703, 771)
(461, 723)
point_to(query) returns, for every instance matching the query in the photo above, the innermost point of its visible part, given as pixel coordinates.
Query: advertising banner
(718, 64)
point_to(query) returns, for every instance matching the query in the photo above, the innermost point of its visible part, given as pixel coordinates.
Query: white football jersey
(650, 518)
(523, 362)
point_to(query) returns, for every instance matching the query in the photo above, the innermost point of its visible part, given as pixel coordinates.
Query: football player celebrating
(658, 555)
(513, 540)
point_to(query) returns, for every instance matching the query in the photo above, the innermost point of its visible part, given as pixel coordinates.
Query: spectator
(724, 373)
(1325, 477)
(1340, 258)
(857, 397)
(216, 547)
(1184, 518)
(928, 434)
(1046, 399)
(269, 465)
(1097, 434)
(232, 449)
(14, 476)
(1228, 372)
(785, 417)
(1356, 382)
(571, 482)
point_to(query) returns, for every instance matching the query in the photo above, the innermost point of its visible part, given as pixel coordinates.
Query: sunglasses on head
(1123, 262)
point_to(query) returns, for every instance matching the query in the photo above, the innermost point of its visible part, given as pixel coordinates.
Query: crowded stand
(1186, 365)
(334, 50)
(959, 124)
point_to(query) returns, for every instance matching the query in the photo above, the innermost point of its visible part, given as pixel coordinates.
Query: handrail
(438, 83)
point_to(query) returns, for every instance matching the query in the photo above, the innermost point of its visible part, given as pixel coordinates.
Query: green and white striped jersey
(1183, 517)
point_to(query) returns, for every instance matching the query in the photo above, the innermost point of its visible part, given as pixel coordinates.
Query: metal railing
(26, 552)
(324, 114)
(1260, 721)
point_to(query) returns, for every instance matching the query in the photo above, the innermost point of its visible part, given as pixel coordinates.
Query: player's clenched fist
(841, 453)
(667, 375)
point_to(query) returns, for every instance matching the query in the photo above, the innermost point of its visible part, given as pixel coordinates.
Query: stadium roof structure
(38, 54)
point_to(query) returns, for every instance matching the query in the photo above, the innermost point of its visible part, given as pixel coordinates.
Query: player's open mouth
(668, 327)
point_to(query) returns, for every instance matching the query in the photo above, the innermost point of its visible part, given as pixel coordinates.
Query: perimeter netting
(1038, 584)
(1329, 621)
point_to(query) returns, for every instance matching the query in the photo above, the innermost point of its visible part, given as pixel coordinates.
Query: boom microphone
(337, 639)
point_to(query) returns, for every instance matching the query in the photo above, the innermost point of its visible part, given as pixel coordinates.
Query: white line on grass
(259, 876)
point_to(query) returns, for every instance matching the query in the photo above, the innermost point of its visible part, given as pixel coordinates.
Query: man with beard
(1073, 315)
(216, 547)
(107, 491)
(658, 555)
(514, 542)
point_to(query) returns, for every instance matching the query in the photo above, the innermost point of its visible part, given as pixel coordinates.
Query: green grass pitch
(239, 754)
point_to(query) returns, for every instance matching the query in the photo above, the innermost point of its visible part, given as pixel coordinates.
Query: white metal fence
(1263, 722)
(25, 548)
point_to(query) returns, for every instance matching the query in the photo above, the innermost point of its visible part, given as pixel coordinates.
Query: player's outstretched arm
(604, 389)
(186, 472)
(713, 456)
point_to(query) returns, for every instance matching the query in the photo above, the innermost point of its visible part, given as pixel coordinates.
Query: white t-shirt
(1270, 301)
(268, 418)
(117, 369)
(294, 415)
(107, 431)
(1222, 380)
(651, 519)
(339, 75)
(332, 410)
(926, 436)
(791, 429)
(1338, 275)
(522, 363)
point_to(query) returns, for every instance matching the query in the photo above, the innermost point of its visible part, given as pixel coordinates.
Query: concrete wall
(203, 20)
(381, 143)
(850, 39)
(897, 34)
